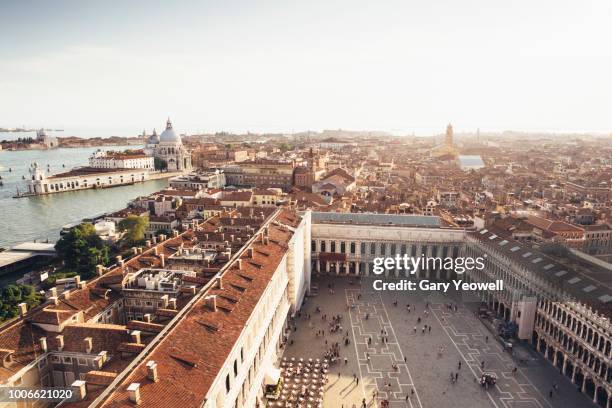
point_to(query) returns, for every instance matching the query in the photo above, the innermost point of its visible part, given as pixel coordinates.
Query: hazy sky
(402, 66)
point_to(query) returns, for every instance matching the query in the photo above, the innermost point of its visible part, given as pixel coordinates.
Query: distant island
(42, 141)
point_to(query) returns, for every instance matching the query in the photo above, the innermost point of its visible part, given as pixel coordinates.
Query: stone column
(327, 268)
(584, 381)
(595, 394)
(357, 268)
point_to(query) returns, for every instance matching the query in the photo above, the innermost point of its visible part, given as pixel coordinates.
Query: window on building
(323, 246)
(372, 248)
(352, 247)
(333, 246)
(342, 247)
(227, 383)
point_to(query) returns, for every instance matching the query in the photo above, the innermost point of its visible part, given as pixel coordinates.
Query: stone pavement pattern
(422, 376)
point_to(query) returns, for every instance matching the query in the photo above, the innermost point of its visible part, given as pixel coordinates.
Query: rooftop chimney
(135, 250)
(250, 252)
(54, 300)
(77, 280)
(52, 293)
(152, 371)
(60, 342)
(134, 392)
(211, 302)
(100, 270)
(43, 344)
(219, 282)
(135, 336)
(88, 344)
(172, 303)
(154, 239)
(155, 251)
(162, 258)
(239, 264)
(80, 389)
(175, 233)
(147, 317)
(164, 299)
(118, 258)
(23, 308)
(82, 284)
(66, 294)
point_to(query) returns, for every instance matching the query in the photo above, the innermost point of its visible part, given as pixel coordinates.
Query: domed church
(169, 148)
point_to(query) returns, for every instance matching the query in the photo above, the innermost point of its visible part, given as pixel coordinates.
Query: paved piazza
(423, 361)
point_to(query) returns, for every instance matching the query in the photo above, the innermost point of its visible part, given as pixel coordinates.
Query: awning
(272, 375)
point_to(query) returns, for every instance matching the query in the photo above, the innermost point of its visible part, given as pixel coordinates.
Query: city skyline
(265, 67)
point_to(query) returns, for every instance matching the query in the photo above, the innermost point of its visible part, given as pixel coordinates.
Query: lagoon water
(41, 218)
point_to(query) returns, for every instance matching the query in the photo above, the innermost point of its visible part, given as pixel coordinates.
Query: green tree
(12, 295)
(82, 249)
(134, 228)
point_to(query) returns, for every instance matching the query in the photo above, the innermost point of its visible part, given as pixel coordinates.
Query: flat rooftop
(376, 219)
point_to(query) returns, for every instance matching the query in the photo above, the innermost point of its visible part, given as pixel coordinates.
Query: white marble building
(169, 147)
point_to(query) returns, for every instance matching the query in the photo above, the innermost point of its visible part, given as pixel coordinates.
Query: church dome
(169, 135)
(154, 138)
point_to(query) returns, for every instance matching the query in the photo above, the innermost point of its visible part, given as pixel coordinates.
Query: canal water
(41, 218)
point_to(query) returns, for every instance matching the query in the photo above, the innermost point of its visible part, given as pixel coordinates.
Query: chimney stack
(172, 303)
(52, 293)
(134, 393)
(80, 389)
(99, 270)
(134, 250)
(82, 284)
(118, 258)
(77, 280)
(152, 371)
(219, 282)
(162, 258)
(54, 300)
(60, 342)
(88, 344)
(43, 344)
(250, 252)
(135, 336)
(23, 309)
(239, 264)
(147, 317)
(156, 251)
(211, 302)
(175, 233)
